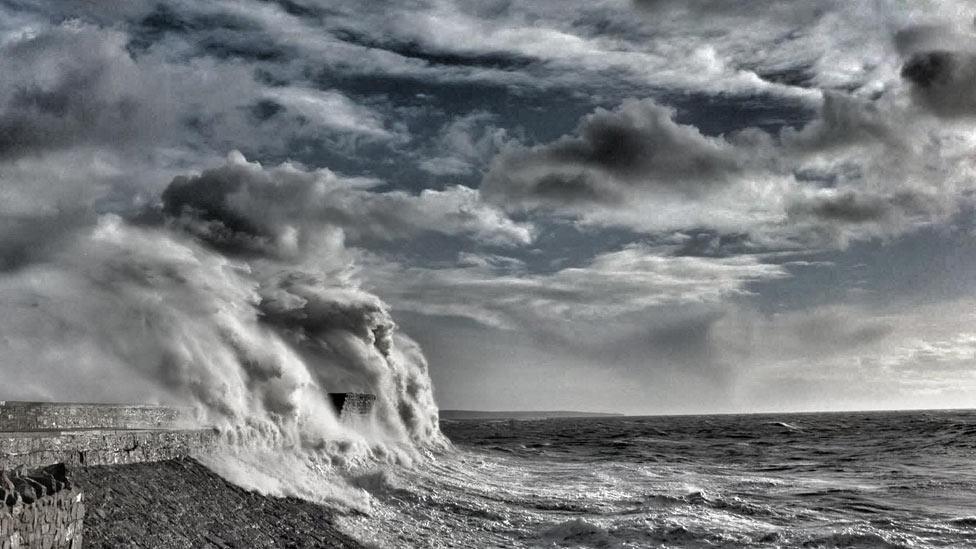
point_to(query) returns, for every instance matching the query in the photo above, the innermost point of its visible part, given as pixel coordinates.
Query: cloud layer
(654, 198)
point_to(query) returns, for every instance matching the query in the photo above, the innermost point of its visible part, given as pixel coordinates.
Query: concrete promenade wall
(21, 416)
(100, 447)
(34, 434)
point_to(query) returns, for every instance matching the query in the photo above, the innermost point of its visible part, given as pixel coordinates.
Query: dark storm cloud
(433, 56)
(929, 68)
(641, 141)
(265, 109)
(800, 75)
(850, 207)
(916, 38)
(943, 81)
(202, 201)
(581, 187)
(243, 208)
(843, 120)
(794, 9)
(105, 98)
(637, 166)
(165, 20)
(638, 145)
(27, 240)
(44, 111)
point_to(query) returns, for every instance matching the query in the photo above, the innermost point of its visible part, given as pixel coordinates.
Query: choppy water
(903, 479)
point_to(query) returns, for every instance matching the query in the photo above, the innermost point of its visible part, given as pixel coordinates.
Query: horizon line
(677, 414)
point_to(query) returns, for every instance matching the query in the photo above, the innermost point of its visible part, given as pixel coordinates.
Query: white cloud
(331, 109)
(464, 144)
(854, 356)
(98, 113)
(861, 169)
(613, 291)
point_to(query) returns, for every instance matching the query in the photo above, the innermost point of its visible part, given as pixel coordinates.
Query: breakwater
(36, 434)
(40, 508)
(41, 443)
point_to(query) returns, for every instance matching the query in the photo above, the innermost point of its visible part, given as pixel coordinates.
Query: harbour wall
(21, 416)
(36, 434)
(40, 442)
(40, 509)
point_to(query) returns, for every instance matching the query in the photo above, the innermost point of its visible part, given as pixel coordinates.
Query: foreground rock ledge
(181, 504)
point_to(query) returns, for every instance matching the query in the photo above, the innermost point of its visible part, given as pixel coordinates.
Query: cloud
(861, 168)
(807, 126)
(849, 208)
(609, 293)
(49, 105)
(846, 121)
(464, 144)
(938, 64)
(637, 322)
(857, 357)
(330, 109)
(283, 211)
(943, 81)
(637, 146)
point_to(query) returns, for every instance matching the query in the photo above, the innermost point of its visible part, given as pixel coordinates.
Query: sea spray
(251, 322)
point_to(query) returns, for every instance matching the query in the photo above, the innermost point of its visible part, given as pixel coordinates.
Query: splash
(161, 308)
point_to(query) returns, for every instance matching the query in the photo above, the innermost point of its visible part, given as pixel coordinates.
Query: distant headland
(540, 414)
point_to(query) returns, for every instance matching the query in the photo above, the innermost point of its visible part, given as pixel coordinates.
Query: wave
(578, 531)
(784, 425)
(204, 301)
(862, 539)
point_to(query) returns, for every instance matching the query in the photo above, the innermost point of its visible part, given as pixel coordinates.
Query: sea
(873, 479)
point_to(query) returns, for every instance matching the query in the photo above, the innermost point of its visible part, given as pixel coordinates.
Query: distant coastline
(541, 414)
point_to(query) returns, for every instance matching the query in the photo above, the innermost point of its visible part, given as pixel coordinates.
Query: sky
(649, 206)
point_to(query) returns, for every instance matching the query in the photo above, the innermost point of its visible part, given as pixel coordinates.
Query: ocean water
(892, 479)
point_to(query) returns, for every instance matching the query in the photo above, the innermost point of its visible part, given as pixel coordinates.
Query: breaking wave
(250, 318)
(845, 480)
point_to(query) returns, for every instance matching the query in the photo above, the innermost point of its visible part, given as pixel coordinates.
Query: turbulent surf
(888, 480)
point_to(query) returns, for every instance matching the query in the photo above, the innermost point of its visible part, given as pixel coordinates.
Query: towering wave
(223, 298)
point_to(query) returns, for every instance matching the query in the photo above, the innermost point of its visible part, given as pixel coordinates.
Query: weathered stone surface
(97, 447)
(41, 509)
(41, 433)
(54, 416)
(134, 486)
(182, 504)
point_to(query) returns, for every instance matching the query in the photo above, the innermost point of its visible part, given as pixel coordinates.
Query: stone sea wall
(100, 447)
(34, 434)
(40, 509)
(20, 416)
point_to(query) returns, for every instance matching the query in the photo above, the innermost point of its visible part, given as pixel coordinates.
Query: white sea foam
(708, 491)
